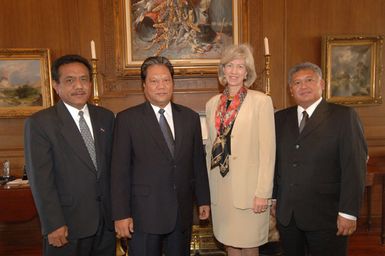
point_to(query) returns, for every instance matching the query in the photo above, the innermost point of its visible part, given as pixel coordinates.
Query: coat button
(297, 146)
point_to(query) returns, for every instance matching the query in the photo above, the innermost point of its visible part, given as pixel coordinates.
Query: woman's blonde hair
(242, 51)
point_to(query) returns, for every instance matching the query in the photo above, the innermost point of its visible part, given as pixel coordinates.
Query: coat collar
(179, 128)
(98, 129)
(71, 134)
(319, 115)
(153, 127)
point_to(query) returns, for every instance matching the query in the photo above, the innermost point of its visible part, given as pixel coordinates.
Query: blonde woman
(240, 155)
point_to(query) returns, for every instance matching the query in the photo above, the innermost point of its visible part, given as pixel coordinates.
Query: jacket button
(297, 146)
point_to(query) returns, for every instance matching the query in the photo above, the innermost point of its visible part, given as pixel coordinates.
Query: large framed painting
(25, 84)
(352, 67)
(192, 34)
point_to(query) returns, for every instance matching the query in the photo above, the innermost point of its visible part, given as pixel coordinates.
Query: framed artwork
(192, 34)
(352, 69)
(25, 84)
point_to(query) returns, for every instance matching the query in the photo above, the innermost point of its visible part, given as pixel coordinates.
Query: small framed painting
(25, 84)
(352, 69)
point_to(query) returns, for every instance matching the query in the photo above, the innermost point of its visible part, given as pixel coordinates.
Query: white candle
(93, 52)
(266, 41)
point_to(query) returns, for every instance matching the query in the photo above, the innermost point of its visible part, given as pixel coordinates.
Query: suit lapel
(177, 117)
(152, 123)
(211, 118)
(320, 113)
(242, 115)
(72, 135)
(97, 128)
(291, 121)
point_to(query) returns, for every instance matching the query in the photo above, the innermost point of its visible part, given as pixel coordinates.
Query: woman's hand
(260, 205)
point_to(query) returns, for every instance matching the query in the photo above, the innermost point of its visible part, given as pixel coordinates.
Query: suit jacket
(66, 187)
(148, 184)
(252, 149)
(321, 171)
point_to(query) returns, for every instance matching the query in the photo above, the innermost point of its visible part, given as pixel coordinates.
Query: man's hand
(204, 212)
(345, 227)
(260, 204)
(58, 237)
(124, 228)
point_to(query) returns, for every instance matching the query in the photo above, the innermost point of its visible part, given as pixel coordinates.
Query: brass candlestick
(95, 86)
(267, 74)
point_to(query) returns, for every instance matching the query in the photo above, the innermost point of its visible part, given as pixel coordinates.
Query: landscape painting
(352, 66)
(24, 81)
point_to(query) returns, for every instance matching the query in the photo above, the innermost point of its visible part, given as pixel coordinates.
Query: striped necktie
(87, 137)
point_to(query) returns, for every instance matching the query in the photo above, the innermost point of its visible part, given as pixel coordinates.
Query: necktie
(87, 137)
(304, 119)
(166, 131)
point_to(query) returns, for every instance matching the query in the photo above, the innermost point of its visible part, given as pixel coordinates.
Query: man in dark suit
(68, 167)
(156, 175)
(320, 169)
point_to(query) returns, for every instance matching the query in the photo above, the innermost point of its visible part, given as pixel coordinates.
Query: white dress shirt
(167, 114)
(75, 115)
(309, 110)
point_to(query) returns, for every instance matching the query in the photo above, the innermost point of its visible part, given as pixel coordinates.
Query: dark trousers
(100, 244)
(298, 242)
(175, 243)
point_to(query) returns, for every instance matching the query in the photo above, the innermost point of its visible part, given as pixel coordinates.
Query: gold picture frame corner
(25, 81)
(352, 69)
(128, 61)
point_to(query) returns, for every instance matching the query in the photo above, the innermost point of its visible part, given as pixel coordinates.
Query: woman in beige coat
(240, 155)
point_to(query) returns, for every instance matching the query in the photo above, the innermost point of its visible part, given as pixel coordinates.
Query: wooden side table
(19, 225)
(17, 203)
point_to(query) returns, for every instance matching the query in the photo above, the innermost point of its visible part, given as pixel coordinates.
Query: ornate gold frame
(15, 64)
(352, 67)
(183, 66)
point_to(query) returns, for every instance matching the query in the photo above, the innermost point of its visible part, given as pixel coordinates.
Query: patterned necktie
(166, 131)
(304, 119)
(87, 137)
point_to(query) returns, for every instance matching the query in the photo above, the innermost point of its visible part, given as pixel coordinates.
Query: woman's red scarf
(224, 120)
